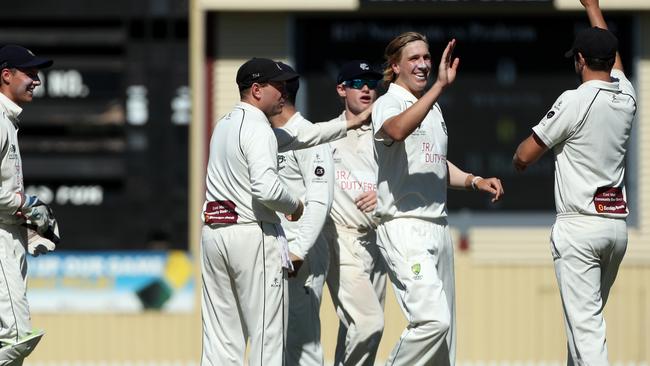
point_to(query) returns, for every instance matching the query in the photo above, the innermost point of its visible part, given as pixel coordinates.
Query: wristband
(474, 180)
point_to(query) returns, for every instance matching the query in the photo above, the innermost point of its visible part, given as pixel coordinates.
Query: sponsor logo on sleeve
(319, 175)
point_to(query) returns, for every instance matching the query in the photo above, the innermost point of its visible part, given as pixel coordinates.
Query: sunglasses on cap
(359, 83)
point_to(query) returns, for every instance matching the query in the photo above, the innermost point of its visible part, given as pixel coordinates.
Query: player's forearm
(310, 226)
(457, 178)
(309, 134)
(268, 190)
(401, 126)
(595, 15)
(528, 152)
(10, 202)
(596, 19)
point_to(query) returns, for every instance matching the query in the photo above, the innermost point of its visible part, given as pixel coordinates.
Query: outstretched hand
(492, 186)
(447, 69)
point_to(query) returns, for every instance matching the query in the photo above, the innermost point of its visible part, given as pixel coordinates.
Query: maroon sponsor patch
(220, 212)
(610, 200)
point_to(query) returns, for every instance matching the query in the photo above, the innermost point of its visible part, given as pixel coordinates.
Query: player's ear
(341, 90)
(395, 68)
(256, 91)
(5, 75)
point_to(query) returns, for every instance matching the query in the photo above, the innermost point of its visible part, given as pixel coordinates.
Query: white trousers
(587, 252)
(15, 320)
(244, 292)
(305, 296)
(420, 262)
(357, 283)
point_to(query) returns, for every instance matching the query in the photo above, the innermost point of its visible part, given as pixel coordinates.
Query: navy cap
(358, 69)
(292, 85)
(14, 56)
(261, 70)
(594, 43)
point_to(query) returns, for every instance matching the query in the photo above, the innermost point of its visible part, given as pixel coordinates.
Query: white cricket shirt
(412, 174)
(589, 131)
(355, 173)
(242, 168)
(309, 174)
(11, 171)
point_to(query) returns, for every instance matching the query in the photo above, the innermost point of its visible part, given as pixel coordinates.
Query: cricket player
(413, 177)
(308, 173)
(244, 252)
(588, 129)
(18, 78)
(244, 256)
(357, 276)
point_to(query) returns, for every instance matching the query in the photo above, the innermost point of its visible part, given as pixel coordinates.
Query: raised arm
(597, 20)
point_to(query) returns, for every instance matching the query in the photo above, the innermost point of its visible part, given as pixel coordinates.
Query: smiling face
(18, 84)
(413, 67)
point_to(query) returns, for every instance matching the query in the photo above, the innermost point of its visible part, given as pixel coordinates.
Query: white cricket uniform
(242, 251)
(309, 174)
(15, 321)
(589, 130)
(413, 235)
(357, 277)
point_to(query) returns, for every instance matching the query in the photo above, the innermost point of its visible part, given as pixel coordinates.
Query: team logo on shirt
(319, 171)
(281, 160)
(550, 114)
(416, 268)
(12, 152)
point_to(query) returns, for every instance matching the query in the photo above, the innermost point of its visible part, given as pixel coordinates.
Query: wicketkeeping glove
(37, 214)
(37, 244)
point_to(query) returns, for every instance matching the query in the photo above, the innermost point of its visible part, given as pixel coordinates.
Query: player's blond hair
(393, 52)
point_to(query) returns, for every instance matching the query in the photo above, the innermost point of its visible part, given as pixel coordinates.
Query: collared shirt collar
(253, 109)
(402, 92)
(10, 109)
(295, 117)
(600, 84)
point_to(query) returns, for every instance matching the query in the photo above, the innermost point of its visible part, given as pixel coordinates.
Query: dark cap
(292, 85)
(357, 69)
(261, 70)
(20, 57)
(594, 43)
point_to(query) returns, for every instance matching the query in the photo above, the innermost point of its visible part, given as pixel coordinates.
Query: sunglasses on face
(359, 83)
